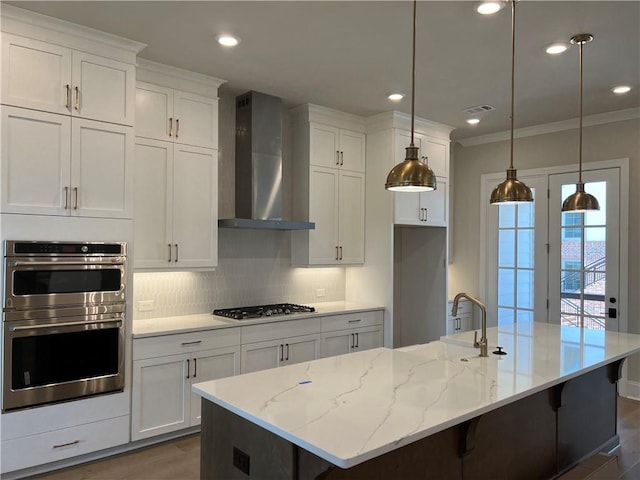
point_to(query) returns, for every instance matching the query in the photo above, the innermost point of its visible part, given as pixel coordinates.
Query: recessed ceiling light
(621, 89)
(556, 48)
(473, 121)
(396, 97)
(228, 40)
(488, 8)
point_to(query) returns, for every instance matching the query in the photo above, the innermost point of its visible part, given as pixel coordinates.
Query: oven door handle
(112, 261)
(63, 324)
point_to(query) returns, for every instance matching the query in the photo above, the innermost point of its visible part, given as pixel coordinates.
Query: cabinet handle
(66, 198)
(75, 196)
(75, 442)
(341, 158)
(177, 127)
(169, 245)
(281, 352)
(195, 367)
(336, 252)
(353, 340)
(340, 252)
(171, 126)
(176, 245)
(354, 321)
(195, 342)
(287, 356)
(188, 368)
(357, 340)
(77, 105)
(426, 214)
(68, 104)
(337, 157)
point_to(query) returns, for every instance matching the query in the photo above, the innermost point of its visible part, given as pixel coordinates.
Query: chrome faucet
(483, 344)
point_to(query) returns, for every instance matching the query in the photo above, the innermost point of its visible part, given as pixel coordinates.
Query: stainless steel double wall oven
(63, 322)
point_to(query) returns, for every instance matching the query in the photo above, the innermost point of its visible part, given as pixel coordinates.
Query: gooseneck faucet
(483, 344)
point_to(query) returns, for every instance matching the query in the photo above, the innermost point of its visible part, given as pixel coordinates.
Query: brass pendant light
(412, 175)
(580, 201)
(512, 190)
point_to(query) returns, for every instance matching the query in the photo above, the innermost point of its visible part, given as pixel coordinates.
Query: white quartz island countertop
(351, 408)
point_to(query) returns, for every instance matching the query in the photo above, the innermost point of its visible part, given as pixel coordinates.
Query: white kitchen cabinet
(463, 321)
(424, 208)
(279, 352)
(48, 77)
(164, 113)
(335, 147)
(329, 188)
(176, 205)
(351, 332)
(76, 167)
(162, 400)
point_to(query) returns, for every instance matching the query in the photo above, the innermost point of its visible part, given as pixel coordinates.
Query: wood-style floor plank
(180, 459)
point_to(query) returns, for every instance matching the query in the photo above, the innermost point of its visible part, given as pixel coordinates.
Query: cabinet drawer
(279, 330)
(464, 306)
(57, 445)
(351, 320)
(184, 342)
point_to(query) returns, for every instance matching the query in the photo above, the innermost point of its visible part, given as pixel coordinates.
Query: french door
(584, 253)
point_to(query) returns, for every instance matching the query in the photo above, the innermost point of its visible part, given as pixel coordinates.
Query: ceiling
(351, 55)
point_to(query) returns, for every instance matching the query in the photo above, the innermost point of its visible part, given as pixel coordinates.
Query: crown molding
(394, 119)
(173, 77)
(592, 120)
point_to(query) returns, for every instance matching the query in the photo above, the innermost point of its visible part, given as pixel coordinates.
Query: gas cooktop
(244, 313)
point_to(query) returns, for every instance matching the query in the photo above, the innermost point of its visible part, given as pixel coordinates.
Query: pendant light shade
(580, 201)
(511, 190)
(412, 175)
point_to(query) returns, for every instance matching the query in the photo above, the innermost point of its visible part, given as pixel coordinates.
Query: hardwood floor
(180, 459)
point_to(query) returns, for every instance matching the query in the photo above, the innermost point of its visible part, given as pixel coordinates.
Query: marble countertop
(205, 321)
(351, 408)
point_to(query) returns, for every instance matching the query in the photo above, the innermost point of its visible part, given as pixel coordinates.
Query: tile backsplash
(253, 268)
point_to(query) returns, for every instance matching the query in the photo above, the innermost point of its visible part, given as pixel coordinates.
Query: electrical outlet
(145, 305)
(241, 460)
(320, 292)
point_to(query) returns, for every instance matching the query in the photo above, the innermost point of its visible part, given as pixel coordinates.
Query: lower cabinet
(280, 352)
(463, 321)
(351, 332)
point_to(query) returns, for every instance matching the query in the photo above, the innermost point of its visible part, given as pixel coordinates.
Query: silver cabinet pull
(75, 442)
(169, 245)
(68, 104)
(340, 252)
(176, 245)
(354, 321)
(195, 342)
(171, 126)
(177, 127)
(188, 368)
(357, 340)
(77, 105)
(75, 196)
(66, 198)
(341, 158)
(195, 367)
(287, 356)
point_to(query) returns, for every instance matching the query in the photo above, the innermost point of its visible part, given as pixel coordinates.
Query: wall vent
(475, 110)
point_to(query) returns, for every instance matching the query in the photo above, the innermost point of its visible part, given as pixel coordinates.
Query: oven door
(39, 282)
(61, 358)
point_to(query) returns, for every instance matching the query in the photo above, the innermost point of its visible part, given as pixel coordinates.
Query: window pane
(571, 233)
(506, 248)
(598, 190)
(506, 287)
(525, 248)
(525, 315)
(506, 316)
(507, 216)
(525, 288)
(525, 214)
(571, 219)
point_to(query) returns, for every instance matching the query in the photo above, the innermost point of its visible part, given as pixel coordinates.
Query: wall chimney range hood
(259, 165)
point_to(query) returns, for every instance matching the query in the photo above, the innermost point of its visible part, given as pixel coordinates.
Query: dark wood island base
(537, 437)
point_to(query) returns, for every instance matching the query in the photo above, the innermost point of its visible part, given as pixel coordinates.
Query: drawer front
(49, 447)
(464, 306)
(351, 320)
(151, 347)
(279, 330)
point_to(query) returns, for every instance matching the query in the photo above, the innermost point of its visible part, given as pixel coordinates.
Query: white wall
(601, 142)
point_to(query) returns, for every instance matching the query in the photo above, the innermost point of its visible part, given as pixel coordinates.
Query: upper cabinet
(173, 115)
(329, 187)
(67, 118)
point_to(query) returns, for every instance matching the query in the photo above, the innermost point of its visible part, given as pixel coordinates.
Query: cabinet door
(152, 215)
(336, 343)
(367, 338)
(323, 146)
(466, 323)
(323, 210)
(301, 349)
(435, 205)
(352, 151)
(36, 74)
(351, 218)
(102, 169)
(196, 121)
(437, 152)
(160, 396)
(261, 355)
(195, 207)
(154, 111)
(406, 208)
(36, 156)
(105, 89)
(210, 365)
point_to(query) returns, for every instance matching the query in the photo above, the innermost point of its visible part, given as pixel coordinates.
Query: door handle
(353, 340)
(337, 157)
(340, 252)
(176, 245)
(357, 340)
(169, 245)
(188, 368)
(77, 105)
(281, 352)
(75, 196)
(195, 367)
(66, 198)
(613, 313)
(171, 126)
(177, 127)
(336, 252)
(287, 355)
(341, 158)
(68, 104)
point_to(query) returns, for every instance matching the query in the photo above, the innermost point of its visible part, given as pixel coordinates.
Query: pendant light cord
(580, 146)
(413, 71)
(513, 72)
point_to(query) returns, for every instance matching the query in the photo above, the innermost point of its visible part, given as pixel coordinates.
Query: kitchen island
(428, 411)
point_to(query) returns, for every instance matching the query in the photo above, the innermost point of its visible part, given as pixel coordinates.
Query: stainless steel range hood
(259, 165)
